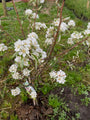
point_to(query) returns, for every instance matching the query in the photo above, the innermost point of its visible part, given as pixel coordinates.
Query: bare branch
(66, 51)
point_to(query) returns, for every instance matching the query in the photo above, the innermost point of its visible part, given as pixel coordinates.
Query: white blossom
(28, 12)
(88, 43)
(41, 1)
(30, 90)
(16, 91)
(26, 72)
(56, 22)
(60, 80)
(33, 94)
(88, 26)
(18, 45)
(3, 47)
(16, 76)
(61, 73)
(26, 43)
(53, 74)
(71, 23)
(59, 76)
(25, 61)
(18, 59)
(39, 25)
(63, 27)
(33, 35)
(70, 41)
(50, 32)
(76, 35)
(87, 32)
(13, 68)
(24, 51)
(34, 15)
(49, 41)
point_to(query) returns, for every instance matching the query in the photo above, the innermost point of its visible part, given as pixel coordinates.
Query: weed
(86, 101)
(53, 101)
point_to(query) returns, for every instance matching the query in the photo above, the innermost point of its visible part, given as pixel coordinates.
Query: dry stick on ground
(6, 32)
(18, 19)
(42, 66)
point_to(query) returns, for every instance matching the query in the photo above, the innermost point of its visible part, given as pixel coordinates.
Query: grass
(79, 74)
(79, 7)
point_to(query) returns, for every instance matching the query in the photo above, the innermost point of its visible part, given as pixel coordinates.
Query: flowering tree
(30, 58)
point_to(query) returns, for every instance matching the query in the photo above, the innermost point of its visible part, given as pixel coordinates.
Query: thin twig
(56, 35)
(18, 19)
(66, 51)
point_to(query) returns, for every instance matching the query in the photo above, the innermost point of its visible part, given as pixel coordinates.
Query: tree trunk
(4, 7)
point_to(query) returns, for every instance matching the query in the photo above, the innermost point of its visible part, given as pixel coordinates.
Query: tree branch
(42, 66)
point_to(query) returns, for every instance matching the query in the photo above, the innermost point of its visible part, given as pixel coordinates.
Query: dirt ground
(28, 112)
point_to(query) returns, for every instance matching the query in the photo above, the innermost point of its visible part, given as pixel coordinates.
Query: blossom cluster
(31, 14)
(49, 35)
(3, 47)
(30, 90)
(63, 26)
(51, 30)
(71, 23)
(76, 36)
(15, 91)
(59, 76)
(26, 50)
(39, 25)
(42, 1)
(87, 32)
(38, 2)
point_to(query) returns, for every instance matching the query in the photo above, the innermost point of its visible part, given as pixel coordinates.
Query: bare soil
(29, 112)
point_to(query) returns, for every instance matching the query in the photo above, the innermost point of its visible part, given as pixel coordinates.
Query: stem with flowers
(42, 66)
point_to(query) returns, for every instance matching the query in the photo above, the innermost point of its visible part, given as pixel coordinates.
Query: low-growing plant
(86, 101)
(53, 101)
(60, 108)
